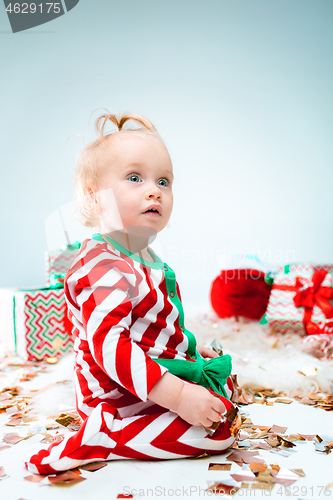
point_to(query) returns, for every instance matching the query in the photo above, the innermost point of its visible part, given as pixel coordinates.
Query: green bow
(73, 246)
(211, 373)
(57, 280)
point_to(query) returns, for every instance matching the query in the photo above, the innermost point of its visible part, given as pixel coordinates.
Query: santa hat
(241, 289)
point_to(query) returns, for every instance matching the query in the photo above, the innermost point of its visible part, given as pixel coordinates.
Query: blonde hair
(90, 161)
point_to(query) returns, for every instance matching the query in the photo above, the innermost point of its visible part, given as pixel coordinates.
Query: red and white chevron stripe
(155, 434)
(123, 316)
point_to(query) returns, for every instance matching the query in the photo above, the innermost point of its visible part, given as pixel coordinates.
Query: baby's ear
(89, 189)
(91, 197)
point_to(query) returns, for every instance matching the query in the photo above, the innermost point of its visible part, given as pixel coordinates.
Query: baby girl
(144, 388)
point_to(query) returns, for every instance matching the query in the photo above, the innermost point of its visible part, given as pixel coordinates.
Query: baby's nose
(153, 191)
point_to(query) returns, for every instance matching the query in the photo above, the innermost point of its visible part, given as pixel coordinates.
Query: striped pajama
(125, 312)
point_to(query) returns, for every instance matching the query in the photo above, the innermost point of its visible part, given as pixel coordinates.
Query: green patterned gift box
(58, 261)
(34, 323)
(301, 300)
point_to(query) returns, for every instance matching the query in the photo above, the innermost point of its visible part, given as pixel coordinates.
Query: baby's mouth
(153, 210)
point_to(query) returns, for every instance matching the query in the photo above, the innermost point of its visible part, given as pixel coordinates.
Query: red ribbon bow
(314, 295)
(318, 329)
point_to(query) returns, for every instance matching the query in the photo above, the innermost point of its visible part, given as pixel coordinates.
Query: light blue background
(241, 92)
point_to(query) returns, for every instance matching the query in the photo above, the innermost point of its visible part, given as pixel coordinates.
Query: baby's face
(139, 172)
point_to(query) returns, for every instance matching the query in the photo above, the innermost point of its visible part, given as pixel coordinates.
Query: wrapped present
(301, 300)
(34, 323)
(320, 346)
(57, 263)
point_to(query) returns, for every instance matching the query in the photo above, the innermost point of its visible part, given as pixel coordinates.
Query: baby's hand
(198, 406)
(205, 352)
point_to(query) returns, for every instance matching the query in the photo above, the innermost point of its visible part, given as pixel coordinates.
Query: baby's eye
(134, 178)
(163, 182)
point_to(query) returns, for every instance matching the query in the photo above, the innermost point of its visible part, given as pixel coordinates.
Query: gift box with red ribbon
(301, 300)
(34, 323)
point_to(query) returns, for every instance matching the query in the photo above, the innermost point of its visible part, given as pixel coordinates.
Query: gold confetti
(278, 429)
(68, 477)
(266, 476)
(34, 478)
(27, 420)
(92, 467)
(308, 371)
(214, 466)
(199, 457)
(52, 361)
(50, 427)
(258, 467)
(295, 437)
(14, 422)
(64, 419)
(299, 472)
(223, 489)
(12, 438)
(260, 485)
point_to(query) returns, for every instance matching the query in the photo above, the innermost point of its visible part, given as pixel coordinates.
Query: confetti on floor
(223, 466)
(255, 473)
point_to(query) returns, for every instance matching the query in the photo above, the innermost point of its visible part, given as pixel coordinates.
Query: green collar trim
(157, 264)
(170, 281)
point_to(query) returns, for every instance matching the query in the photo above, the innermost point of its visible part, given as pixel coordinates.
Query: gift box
(34, 323)
(58, 261)
(301, 300)
(320, 346)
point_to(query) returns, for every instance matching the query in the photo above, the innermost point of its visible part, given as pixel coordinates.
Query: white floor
(167, 479)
